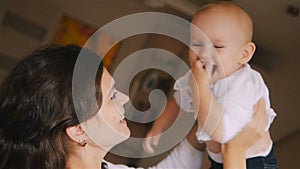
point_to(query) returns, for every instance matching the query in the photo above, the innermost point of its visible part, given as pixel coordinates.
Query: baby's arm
(209, 111)
(162, 123)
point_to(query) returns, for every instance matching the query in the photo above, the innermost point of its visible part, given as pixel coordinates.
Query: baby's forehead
(239, 19)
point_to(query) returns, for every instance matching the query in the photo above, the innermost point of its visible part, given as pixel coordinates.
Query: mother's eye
(114, 95)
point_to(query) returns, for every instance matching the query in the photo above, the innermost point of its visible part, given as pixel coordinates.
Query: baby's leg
(191, 137)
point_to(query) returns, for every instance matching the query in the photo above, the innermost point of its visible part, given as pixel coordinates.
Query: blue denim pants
(268, 162)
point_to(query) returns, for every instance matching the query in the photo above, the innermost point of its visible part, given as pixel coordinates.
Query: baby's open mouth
(214, 68)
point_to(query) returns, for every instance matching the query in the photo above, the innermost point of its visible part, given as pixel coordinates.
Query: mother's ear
(248, 51)
(77, 134)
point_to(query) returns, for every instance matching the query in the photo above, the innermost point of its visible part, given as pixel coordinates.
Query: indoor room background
(27, 25)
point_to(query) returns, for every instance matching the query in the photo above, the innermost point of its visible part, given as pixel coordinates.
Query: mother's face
(108, 127)
(112, 107)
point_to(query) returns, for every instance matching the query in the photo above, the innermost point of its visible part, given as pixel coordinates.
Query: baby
(223, 88)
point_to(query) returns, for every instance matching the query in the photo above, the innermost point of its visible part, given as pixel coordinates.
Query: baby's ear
(248, 52)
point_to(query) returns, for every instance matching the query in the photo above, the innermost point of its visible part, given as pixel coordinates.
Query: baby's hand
(199, 70)
(152, 139)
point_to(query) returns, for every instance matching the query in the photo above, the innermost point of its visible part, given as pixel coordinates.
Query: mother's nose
(123, 98)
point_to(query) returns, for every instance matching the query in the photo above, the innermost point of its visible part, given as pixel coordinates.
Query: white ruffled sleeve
(182, 94)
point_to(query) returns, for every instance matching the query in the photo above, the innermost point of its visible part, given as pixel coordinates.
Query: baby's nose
(204, 53)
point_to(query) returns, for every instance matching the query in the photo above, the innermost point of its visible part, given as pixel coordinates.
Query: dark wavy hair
(36, 107)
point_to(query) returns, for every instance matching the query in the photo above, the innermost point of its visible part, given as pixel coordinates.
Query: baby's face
(224, 46)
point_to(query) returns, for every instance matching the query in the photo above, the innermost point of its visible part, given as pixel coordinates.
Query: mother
(39, 127)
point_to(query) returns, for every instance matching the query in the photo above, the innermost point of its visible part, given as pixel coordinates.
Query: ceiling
(273, 27)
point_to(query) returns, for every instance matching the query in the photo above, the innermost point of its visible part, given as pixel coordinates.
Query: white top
(237, 94)
(182, 156)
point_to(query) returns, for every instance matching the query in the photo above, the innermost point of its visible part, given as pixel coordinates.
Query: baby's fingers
(155, 140)
(193, 57)
(147, 146)
(195, 61)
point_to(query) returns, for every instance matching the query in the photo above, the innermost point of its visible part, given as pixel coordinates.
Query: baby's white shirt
(237, 94)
